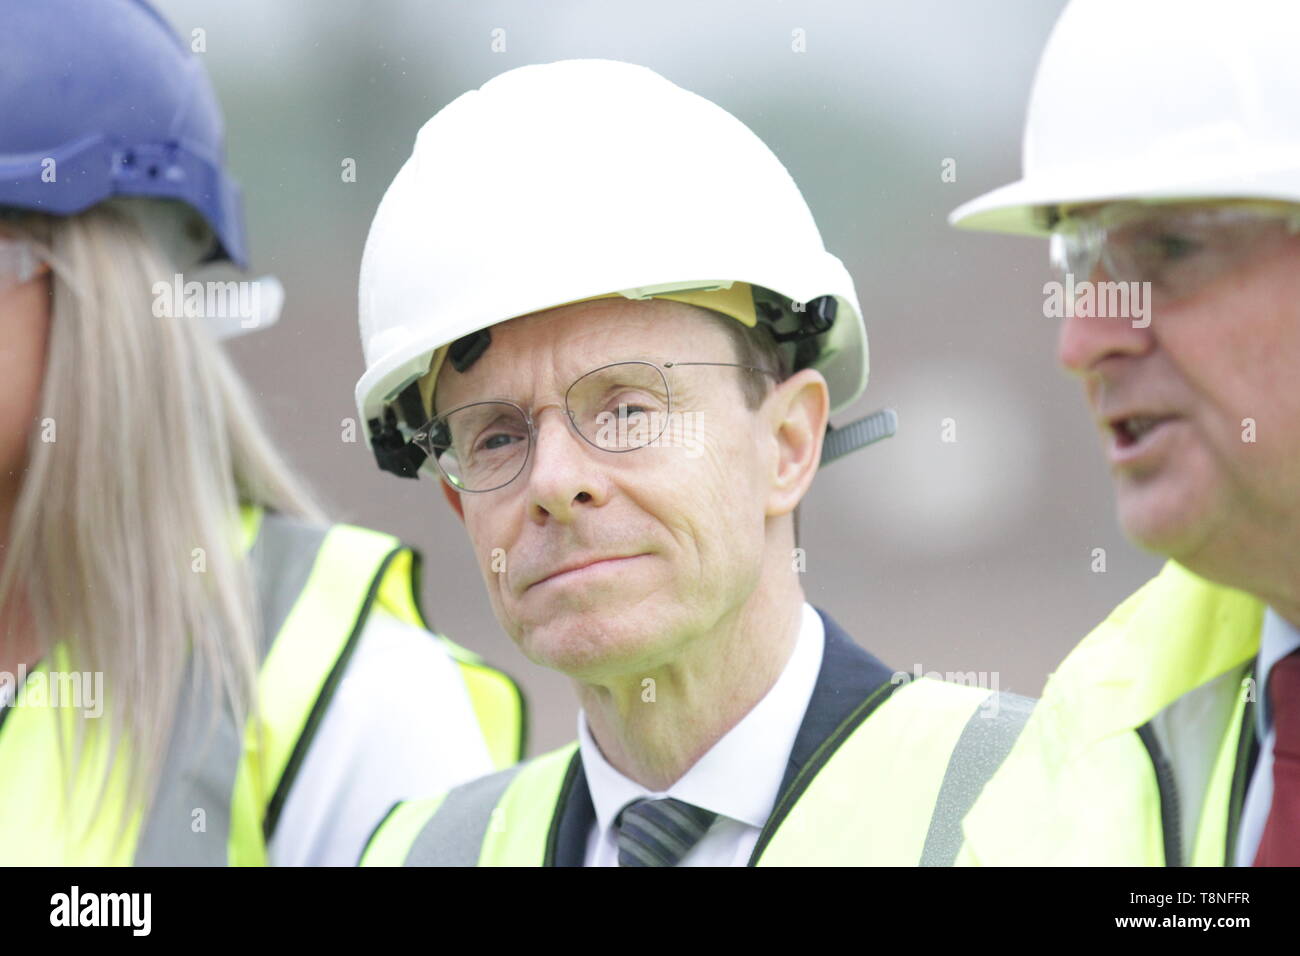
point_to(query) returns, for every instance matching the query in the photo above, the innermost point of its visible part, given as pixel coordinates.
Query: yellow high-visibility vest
(222, 788)
(888, 784)
(1138, 753)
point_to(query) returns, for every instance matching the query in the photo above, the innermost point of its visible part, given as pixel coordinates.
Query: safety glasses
(1180, 248)
(18, 263)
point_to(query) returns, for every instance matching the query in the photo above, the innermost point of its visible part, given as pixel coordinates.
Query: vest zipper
(1170, 822)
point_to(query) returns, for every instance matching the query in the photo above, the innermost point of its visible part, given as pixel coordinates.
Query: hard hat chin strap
(858, 434)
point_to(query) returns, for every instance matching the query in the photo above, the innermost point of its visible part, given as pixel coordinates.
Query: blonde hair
(156, 444)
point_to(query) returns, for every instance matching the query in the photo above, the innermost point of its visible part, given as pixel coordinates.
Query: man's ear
(453, 499)
(800, 411)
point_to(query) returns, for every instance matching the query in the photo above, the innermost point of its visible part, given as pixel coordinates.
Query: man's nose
(563, 470)
(1085, 340)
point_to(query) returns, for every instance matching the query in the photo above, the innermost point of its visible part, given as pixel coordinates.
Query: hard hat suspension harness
(400, 456)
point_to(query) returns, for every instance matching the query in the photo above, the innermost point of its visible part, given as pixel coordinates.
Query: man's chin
(1159, 520)
(588, 644)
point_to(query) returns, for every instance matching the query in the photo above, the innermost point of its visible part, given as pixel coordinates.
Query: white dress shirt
(738, 778)
(1277, 639)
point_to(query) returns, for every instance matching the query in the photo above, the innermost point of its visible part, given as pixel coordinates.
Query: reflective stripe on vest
(497, 700)
(314, 597)
(221, 789)
(934, 745)
(983, 745)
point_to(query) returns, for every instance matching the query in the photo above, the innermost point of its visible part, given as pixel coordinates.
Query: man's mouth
(1133, 429)
(1131, 433)
(582, 565)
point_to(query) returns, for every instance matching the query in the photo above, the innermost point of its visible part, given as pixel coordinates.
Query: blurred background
(973, 555)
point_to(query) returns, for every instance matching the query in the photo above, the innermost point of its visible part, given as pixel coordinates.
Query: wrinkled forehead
(547, 351)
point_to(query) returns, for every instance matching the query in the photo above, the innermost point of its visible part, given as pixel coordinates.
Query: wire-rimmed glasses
(618, 407)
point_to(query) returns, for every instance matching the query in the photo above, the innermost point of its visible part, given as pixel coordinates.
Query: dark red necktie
(1280, 844)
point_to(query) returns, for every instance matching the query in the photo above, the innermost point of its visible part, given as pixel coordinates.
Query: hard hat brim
(845, 361)
(1023, 207)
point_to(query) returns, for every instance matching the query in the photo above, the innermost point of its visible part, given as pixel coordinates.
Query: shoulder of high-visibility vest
(223, 786)
(889, 786)
(1098, 778)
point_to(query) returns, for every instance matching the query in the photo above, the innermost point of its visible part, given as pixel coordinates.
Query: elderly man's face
(683, 529)
(1194, 486)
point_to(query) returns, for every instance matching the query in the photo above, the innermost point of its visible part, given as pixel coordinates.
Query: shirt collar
(739, 776)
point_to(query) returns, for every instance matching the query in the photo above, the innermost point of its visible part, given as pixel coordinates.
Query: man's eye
(496, 441)
(1173, 247)
(633, 403)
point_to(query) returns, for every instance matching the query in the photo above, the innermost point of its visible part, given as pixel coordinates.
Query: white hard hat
(565, 181)
(1158, 100)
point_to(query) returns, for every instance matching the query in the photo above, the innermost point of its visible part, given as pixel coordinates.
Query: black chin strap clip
(393, 452)
(815, 318)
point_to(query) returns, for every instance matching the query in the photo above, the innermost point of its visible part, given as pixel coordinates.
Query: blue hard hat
(101, 98)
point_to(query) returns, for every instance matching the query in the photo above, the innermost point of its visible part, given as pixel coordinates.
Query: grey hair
(156, 446)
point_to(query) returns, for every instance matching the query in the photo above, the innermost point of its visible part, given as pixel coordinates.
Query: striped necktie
(659, 832)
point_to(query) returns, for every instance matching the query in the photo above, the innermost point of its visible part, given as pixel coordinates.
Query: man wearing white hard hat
(596, 307)
(1162, 157)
